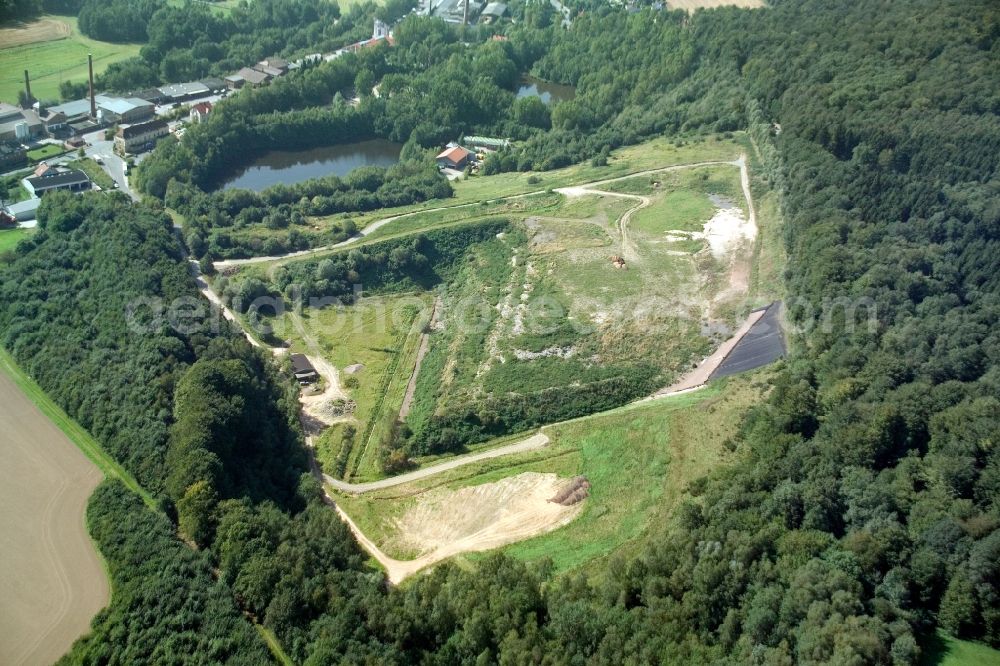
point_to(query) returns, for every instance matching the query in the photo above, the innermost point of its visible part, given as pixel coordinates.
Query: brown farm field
(52, 581)
(43, 30)
(52, 50)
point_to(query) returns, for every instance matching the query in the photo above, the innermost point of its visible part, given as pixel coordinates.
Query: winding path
(536, 441)
(378, 224)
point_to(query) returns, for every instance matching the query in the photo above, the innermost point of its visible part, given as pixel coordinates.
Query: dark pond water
(290, 167)
(529, 86)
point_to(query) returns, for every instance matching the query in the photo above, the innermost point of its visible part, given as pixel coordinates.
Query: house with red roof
(200, 111)
(454, 157)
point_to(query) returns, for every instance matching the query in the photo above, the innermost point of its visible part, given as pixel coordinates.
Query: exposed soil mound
(485, 516)
(573, 492)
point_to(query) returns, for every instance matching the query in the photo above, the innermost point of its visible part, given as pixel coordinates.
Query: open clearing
(691, 5)
(53, 581)
(9, 238)
(639, 459)
(493, 514)
(61, 57)
(940, 649)
(378, 339)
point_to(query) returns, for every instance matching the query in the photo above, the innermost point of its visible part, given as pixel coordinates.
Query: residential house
(70, 180)
(454, 157)
(133, 138)
(200, 111)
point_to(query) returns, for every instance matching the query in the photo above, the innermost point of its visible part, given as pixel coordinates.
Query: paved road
(536, 441)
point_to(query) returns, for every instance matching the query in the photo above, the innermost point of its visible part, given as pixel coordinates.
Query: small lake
(294, 166)
(529, 86)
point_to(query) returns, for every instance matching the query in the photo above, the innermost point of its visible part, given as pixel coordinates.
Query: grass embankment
(381, 333)
(9, 238)
(640, 460)
(479, 196)
(941, 649)
(57, 53)
(76, 433)
(15, 190)
(95, 173)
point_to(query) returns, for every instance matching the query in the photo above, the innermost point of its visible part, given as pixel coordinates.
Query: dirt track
(536, 441)
(52, 580)
(493, 515)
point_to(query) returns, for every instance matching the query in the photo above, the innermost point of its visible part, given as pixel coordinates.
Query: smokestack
(93, 102)
(27, 87)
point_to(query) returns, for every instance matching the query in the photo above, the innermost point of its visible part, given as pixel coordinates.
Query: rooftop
(119, 105)
(185, 89)
(455, 154)
(495, 9)
(253, 76)
(50, 179)
(301, 364)
(78, 107)
(141, 128)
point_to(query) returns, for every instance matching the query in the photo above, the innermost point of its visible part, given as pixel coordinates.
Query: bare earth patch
(444, 523)
(485, 516)
(42, 30)
(691, 5)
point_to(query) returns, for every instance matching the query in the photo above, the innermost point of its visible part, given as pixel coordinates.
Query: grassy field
(639, 459)
(57, 55)
(45, 152)
(944, 650)
(681, 199)
(653, 154)
(382, 334)
(9, 238)
(96, 173)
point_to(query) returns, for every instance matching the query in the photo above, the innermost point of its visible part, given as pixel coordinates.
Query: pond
(529, 86)
(294, 166)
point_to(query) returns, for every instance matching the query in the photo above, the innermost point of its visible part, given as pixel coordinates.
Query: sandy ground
(42, 30)
(492, 515)
(52, 580)
(313, 404)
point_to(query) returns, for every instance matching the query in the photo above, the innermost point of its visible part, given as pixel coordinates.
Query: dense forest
(864, 510)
